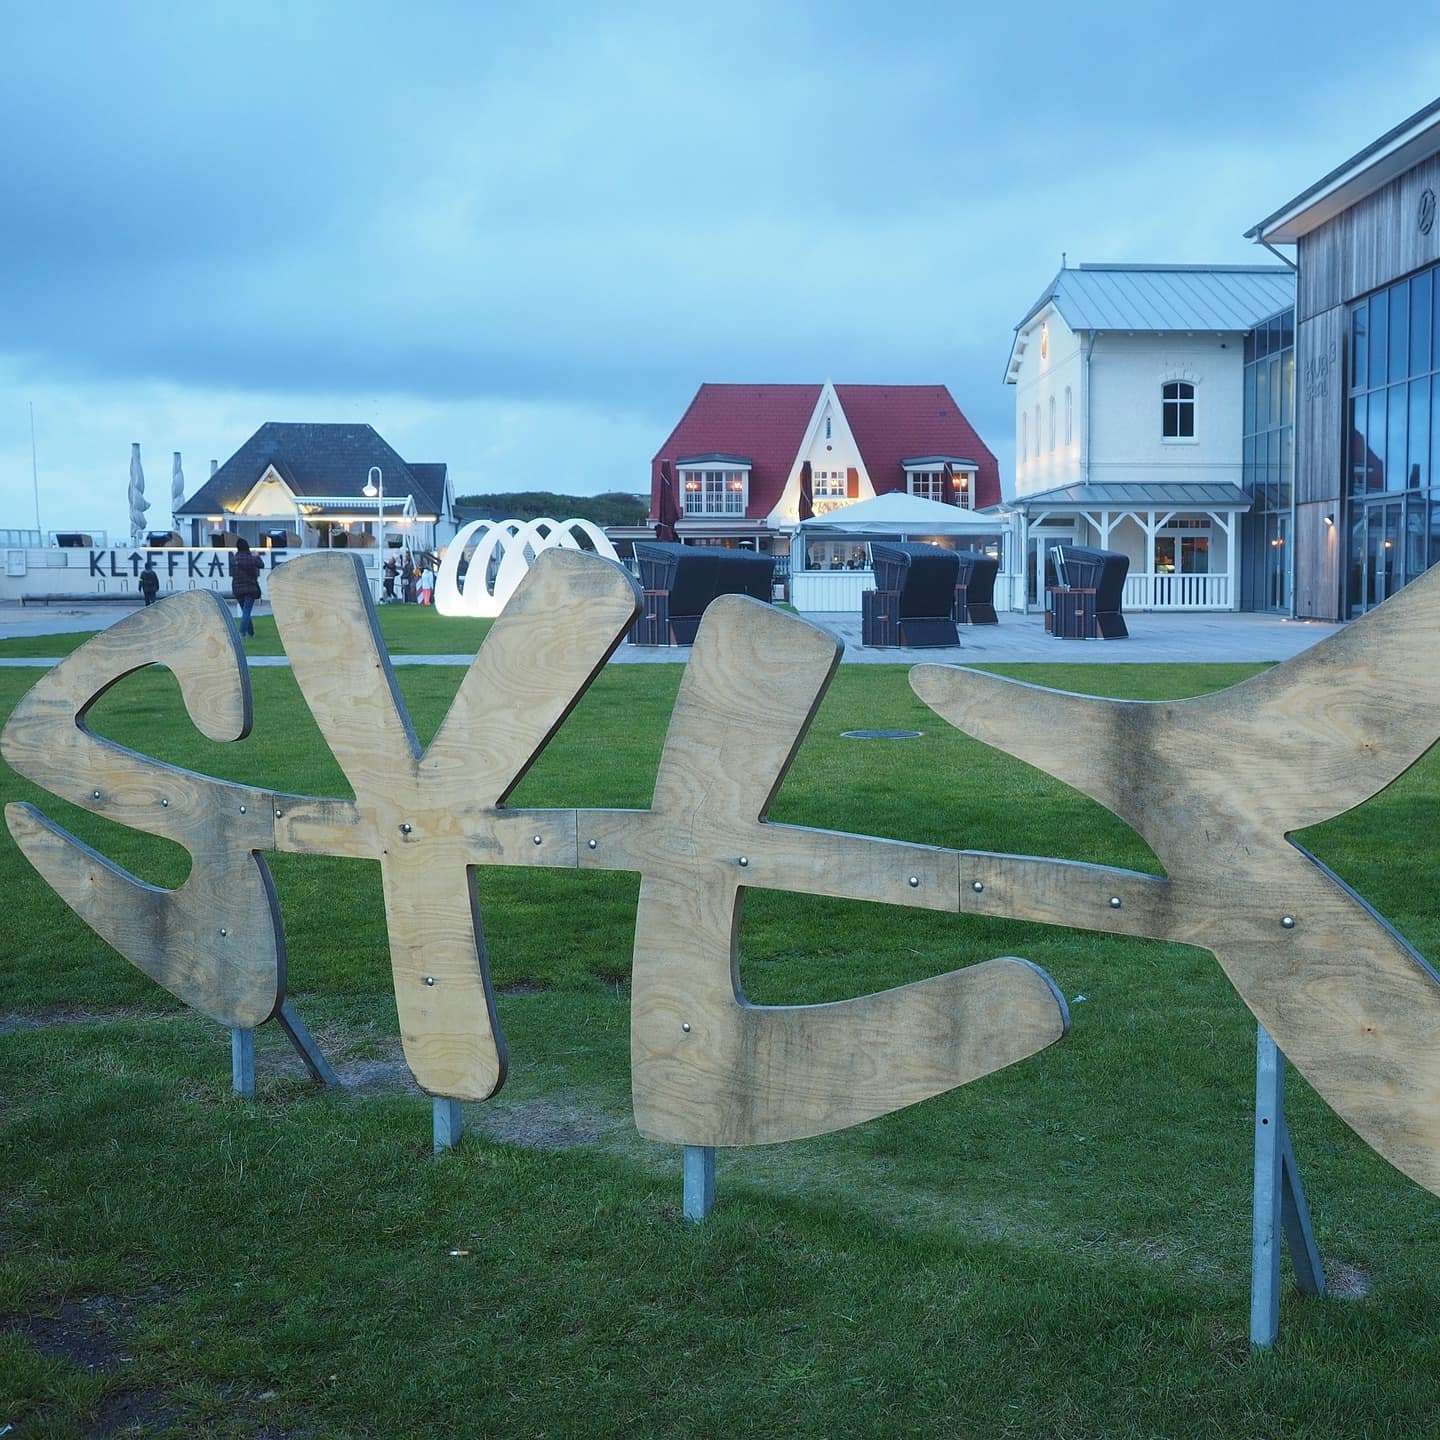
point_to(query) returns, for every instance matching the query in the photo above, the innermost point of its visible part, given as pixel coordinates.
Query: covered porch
(1183, 541)
(830, 554)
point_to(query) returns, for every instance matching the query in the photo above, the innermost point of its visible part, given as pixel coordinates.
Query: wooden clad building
(1367, 366)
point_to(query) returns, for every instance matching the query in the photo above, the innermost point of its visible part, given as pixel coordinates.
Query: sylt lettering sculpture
(1214, 784)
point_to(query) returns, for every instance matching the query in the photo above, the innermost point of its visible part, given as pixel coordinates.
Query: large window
(828, 484)
(1183, 548)
(1393, 438)
(1269, 464)
(931, 485)
(926, 484)
(1177, 410)
(715, 492)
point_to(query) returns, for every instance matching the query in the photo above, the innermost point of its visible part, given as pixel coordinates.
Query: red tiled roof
(892, 423)
(766, 424)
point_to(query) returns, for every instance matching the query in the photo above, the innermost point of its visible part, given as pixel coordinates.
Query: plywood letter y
(431, 818)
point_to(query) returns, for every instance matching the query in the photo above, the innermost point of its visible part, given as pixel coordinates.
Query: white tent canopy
(900, 514)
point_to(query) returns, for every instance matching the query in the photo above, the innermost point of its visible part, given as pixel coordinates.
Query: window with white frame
(1069, 417)
(1052, 422)
(1182, 547)
(715, 492)
(1024, 436)
(1177, 410)
(1037, 429)
(926, 484)
(827, 484)
(930, 485)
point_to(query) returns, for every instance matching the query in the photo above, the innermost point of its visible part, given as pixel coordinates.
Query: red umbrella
(669, 510)
(807, 498)
(947, 485)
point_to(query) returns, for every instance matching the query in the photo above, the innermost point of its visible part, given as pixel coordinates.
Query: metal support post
(242, 1062)
(699, 1182)
(1280, 1213)
(449, 1126)
(300, 1037)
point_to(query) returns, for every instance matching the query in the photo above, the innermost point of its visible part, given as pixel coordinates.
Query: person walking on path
(149, 582)
(246, 568)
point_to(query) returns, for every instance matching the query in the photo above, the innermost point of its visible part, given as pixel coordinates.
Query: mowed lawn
(1058, 1250)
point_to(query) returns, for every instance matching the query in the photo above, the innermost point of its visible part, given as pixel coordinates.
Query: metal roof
(1396, 151)
(1127, 495)
(1160, 298)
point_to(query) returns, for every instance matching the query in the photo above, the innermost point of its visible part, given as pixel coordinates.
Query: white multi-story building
(1130, 418)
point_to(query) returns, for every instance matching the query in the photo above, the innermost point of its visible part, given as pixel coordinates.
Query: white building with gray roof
(1130, 418)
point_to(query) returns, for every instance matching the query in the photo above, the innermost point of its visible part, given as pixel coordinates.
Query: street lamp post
(375, 488)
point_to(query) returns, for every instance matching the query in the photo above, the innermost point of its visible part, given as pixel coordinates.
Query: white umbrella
(177, 489)
(138, 503)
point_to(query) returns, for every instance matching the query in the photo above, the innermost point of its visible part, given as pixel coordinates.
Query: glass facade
(1268, 473)
(1392, 438)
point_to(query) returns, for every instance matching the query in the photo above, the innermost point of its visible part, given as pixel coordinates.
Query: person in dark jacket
(246, 568)
(149, 582)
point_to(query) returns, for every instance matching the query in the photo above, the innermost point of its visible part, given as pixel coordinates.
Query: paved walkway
(1188, 639)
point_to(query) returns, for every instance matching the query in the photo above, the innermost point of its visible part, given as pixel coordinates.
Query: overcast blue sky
(517, 238)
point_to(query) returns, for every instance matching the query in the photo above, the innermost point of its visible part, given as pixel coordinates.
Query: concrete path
(1154, 638)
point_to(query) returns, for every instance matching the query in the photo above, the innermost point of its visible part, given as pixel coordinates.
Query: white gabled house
(1130, 418)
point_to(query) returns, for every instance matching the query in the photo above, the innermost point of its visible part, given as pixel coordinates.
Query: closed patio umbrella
(138, 503)
(947, 484)
(669, 512)
(177, 489)
(807, 496)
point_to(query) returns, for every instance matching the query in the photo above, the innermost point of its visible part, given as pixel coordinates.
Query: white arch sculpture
(518, 542)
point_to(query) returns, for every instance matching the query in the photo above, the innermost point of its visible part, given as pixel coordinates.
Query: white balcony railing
(1177, 592)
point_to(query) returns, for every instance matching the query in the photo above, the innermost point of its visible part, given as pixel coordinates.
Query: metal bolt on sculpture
(1355, 1007)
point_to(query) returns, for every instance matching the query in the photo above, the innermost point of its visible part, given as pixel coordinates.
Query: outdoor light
(1330, 520)
(375, 489)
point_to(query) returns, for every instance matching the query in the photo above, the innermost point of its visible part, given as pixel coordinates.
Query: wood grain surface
(708, 1068)
(1215, 785)
(216, 941)
(432, 818)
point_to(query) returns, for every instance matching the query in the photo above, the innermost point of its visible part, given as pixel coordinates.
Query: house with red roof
(747, 463)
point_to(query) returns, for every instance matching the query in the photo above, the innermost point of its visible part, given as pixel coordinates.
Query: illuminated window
(827, 484)
(715, 492)
(930, 485)
(926, 484)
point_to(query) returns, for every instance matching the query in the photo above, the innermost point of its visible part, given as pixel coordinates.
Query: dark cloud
(589, 207)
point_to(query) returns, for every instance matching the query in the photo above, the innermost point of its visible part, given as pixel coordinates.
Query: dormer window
(714, 485)
(930, 477)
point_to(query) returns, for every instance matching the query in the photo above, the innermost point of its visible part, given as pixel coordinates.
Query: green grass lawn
(408, 630)
(1059, 1250)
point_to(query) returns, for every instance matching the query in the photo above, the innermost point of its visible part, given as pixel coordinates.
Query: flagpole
(34, 468)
